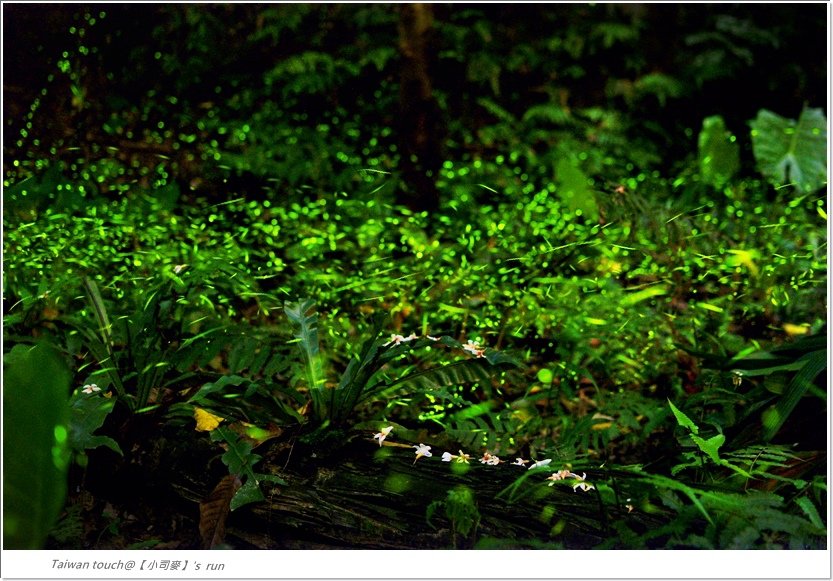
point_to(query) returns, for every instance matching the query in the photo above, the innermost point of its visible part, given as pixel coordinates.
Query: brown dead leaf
(214, 511)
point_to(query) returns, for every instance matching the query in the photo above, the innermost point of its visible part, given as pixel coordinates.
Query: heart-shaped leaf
(87, 415)
(789, 151)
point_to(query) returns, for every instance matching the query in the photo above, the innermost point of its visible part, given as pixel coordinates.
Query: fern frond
(303, 315)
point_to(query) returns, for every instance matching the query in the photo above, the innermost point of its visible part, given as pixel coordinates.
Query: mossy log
(378, 498)
(349, 492)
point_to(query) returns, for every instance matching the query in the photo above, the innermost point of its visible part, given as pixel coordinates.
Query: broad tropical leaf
(35, 444)
(86, 416)
(812, 364)
(789, 151)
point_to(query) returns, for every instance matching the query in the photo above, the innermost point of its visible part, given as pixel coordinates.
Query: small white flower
(560, 475)
(474, 348)
(447, 456)
(520, 462)
(90, 388)
(463, 458)
(422, 450)
(398, 339)
(383, 434)
(540, 463)
(490, 459)
(584, 486)
(430, 338)
(179, 268)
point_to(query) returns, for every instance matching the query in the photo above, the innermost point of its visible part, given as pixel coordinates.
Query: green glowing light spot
(397, 483)
(460, 468)
(558, 527)
(60, 434)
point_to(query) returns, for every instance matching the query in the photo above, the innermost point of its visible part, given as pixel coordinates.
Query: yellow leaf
(206, 421)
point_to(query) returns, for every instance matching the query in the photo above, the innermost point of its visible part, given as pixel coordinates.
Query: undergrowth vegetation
(236, 259)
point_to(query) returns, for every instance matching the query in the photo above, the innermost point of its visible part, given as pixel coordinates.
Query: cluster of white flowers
(490, 459)
(470, 346)
(473, 348)
(580, 480)
(423, 450)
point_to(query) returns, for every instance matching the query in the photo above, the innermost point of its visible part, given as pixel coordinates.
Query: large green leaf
(718, 152)
(248, 493)
(88, 413)
(789, 151)
(358, 374)
(574, 189)
(218, 386)
(773, 418)
(35, 444)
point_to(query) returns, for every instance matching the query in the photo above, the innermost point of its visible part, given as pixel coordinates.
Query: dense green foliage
(627, 271)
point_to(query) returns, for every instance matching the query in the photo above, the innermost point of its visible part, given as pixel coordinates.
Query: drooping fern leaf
(240, 461)
(468, 371)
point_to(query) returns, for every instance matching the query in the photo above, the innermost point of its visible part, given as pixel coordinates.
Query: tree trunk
(420, 126)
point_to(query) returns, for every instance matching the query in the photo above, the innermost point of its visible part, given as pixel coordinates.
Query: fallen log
(378, 499)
